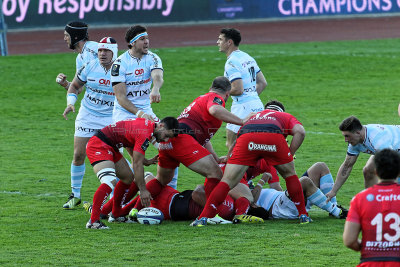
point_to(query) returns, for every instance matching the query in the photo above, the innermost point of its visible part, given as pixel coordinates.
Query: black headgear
(77, 31)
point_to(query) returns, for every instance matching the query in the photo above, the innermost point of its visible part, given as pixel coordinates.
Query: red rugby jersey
(377, 210)
(196, 116)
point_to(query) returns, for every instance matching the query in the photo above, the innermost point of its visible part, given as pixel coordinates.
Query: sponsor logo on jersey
(100, 101)
(139, 93)
(261, 147)
(104, 82)
(383, 198)
(115, 70)
(139, 71)
(218, 101)
(382, 244)
(86, 130)
(139, 82)
(145, 144)
(100, 91)
(165, 146)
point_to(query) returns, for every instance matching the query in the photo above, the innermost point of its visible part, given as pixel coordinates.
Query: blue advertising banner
(3, 36)
(25, 14)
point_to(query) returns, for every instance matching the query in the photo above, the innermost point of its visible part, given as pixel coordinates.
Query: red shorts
(251, 147)
(181, 149)
(97, 150)
(163, 201)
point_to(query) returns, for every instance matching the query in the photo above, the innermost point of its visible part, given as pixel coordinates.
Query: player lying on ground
(279, 205)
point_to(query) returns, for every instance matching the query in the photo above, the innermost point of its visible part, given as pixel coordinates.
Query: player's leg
(293, 186)
(316, 197)
(230, 138)
(77, 171)
(321, 176)
(370, 177)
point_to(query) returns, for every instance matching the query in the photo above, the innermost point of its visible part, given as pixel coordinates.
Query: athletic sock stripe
(108, 173)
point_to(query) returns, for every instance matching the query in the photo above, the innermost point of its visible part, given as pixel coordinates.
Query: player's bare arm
(261, 83)
(342, 175)
(257, 189)
(120, 94)
(299, 134)
(138, 170)
(237, 87)
(74, 89)
(350, 235)
(210, 148)
(224, 115)
(158, 80)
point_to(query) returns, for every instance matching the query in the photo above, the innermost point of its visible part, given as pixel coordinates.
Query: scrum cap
(110, 44)
(78, 31)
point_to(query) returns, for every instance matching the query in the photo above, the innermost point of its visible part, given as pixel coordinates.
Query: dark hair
(221, 84)
(78, 31)
(171, 123)
(350, 124)
(275, 105)
(233, 34)
(387, 162)
(132, 32)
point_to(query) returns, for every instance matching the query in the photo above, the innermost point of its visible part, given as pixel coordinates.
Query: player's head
(387, 162)
(275, 105)
(74, 32)
(107, 44)
(166, 128)
(232, 34)
(136, 34)
(221, 85)
(351, 128)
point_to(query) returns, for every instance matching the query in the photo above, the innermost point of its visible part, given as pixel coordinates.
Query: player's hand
(329, 196)
(249, 116)
(148, 162)
(155, 96)
(67, 110)
(61, 79)
(147, 117)
(145, 197)
(222, 160)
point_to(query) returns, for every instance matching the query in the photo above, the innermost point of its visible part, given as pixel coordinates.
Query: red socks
(154, 187)
(242, 205)
(295, 191)
(216, 198)
(98, 201)
(133, 189)
(120, 192)
(209, 185)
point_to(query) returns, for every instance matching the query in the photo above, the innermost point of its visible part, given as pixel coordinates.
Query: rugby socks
(209, 185)
(128, 207)
(120, 192)
(319, 199)
(295, 191)
(326, 185)
(107, 208)
(99, 198)
(242, 205)
(77, 173)
(174, 181)
(217, 196)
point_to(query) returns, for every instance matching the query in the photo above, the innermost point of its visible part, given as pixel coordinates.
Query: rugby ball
(150, 216)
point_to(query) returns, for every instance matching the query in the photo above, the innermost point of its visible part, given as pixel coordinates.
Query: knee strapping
(107, 176)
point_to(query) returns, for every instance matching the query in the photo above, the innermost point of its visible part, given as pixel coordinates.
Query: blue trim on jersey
(235, 79)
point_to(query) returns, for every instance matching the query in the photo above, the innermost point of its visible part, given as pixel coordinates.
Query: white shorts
(242, 110)
(284, 208)
(86, 124)
(121, 115)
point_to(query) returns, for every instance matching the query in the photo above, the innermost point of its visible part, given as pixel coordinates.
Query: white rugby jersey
(89, 52)
(377, 137)
(267, 197)
(99, 95)
(136, 74)
(240, 65)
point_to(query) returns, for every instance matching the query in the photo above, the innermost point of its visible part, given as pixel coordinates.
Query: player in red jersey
(198, 123)
(375, 212)
(108, 163)
(262, 136)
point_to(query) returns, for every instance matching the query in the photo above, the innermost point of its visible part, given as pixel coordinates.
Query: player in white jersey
(77, 37)
(132, 77)
(280, 206)
(247, 80)
(95, 112)
(366, 139)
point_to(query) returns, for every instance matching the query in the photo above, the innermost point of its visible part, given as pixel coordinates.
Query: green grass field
(320, 83)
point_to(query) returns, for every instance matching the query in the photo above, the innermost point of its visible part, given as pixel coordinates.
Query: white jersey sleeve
(89, 52)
